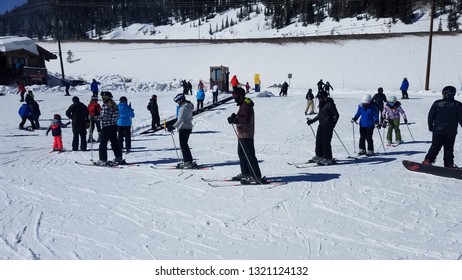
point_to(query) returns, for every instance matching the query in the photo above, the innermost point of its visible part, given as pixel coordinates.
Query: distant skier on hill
(284, 89)
(309, 102)
(55, 128)
(443, 119)
(94, 87)
(234, 82)
(320, 85)
(328, 87)
(404, 87)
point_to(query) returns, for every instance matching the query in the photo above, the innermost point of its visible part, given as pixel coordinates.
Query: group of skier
(379, 112)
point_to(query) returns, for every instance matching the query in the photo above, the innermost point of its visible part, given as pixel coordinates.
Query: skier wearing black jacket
(443, 118)
(328, 117)
(380, 98)
(78, 113)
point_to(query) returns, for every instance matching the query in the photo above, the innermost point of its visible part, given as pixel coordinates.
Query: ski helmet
(392, 100)
(179, 97)
(154, 97)
(57, 117)
(106, 95)
(322, 94)
(366, 99)
(75, 99)
(449, 91)
(238, 92)
(123, 99)
(380, 90)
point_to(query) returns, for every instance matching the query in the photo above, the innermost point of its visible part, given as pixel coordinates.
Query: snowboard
(433, 170)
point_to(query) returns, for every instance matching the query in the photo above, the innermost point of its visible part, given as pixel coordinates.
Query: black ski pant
(184, 138)
(109, 134)
(79, 131)
(200, 105)
(247, 159)
(155, 121)
(404, 93)
(365, 135)
(445, 141)
(215, 97)
(124, 132)
(23, 121)
(323, 141)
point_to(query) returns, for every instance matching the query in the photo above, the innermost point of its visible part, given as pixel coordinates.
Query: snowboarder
(109, 117)
(284, 88)
(379, 99)
(184, 126)
(124, 123)
(21, 91)
(327, 88)
(443, 117)
(26, 114)
(309, 102)
(404, 87)
(154, 109)
(328, 117)
(391, 113)
(55, 128)
(369, 114)
(94, 87)
(245, 124)
(94, 112)
(78, 113)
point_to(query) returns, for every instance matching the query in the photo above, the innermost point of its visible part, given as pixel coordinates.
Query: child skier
(391, 113)
(94, 112)
(369, 113)
(55, 128)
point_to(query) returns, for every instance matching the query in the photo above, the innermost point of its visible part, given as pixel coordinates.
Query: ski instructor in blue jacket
(443, 118)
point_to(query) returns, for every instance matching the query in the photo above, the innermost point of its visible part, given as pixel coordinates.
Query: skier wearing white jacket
(184, 126)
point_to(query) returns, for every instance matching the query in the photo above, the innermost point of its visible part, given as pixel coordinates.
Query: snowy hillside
(259, 26)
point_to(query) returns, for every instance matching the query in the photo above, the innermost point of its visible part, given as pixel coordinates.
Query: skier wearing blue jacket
(200, 96)
(124, 124)
(369, 113)
(25, 112)
(404, 87)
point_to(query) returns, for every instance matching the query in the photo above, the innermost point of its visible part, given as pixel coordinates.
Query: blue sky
(6, 5)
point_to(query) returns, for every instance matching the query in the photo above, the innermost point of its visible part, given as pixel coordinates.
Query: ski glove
(46, 133)
(378, 125)
(170, 128)
(309, 121)
(232, 119)
(405, 121)
(353, 120)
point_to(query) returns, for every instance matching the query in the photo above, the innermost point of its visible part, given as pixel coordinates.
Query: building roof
(11, 43)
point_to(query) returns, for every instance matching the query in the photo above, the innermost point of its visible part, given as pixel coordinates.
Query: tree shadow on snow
(205, 132)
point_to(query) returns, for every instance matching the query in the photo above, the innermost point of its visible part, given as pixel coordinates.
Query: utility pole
(58, 31)
(429, 57)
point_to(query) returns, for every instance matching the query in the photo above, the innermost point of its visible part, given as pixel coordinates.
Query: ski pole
(312, 130)
(349, 156)
(176, 150)
(354, 139)
(410, 132)
(245, 153)
(381, 141)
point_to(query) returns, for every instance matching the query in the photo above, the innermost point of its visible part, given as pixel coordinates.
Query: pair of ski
(310, 163)
(219, 183)
(109, 165)
(169, 167)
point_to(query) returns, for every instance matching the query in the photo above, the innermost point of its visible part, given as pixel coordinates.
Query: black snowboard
(433, 170)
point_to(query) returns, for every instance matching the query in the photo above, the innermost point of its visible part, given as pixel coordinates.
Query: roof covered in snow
(8, 44)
